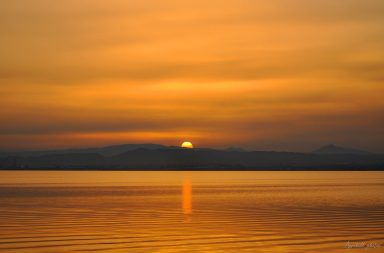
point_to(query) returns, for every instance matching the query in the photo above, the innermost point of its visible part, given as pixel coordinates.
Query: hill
(333, 149)
(163, 158)
(105, 151)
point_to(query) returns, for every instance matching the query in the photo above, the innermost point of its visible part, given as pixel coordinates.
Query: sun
(187, 144)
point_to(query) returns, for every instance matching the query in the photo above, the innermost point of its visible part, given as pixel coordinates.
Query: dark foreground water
(57, 212)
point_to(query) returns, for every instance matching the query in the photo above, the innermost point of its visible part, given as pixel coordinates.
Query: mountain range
(160, 157)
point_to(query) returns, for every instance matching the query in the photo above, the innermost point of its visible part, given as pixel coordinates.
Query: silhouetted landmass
(106, 151)
(333, 149)
(159, 157)
(235, 149)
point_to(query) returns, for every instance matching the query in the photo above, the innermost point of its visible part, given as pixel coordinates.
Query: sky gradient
(276, 75)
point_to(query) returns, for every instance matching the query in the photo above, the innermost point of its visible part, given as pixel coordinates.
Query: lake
(100, 211)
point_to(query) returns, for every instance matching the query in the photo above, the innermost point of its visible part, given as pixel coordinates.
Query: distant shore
(177, 159)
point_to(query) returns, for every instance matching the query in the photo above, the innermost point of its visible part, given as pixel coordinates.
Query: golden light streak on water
(187, 197)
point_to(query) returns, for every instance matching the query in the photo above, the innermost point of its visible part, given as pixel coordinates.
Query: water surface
(67, 211)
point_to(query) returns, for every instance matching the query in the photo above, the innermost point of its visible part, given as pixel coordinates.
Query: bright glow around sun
(187, 144)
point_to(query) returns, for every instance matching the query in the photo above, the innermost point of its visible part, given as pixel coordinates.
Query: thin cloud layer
(285, 75)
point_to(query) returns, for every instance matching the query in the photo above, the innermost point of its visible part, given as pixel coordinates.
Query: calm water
(54, 212)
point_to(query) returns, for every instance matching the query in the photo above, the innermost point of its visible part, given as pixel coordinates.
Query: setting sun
(187, 144)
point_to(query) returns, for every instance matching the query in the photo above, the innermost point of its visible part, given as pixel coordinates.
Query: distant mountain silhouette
(235, 149)
(159, 157)
(106, 151)
(333, 149)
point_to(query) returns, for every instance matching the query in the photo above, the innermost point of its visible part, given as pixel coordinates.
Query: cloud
(248, 72)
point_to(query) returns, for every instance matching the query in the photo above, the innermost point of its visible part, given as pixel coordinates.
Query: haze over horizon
(269, 75)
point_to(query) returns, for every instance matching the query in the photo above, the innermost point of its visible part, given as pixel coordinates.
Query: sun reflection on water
(187, 197)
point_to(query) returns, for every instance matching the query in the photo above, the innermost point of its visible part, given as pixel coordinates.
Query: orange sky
(276, 74)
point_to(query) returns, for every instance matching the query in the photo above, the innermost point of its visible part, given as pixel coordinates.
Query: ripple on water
(295, 217)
